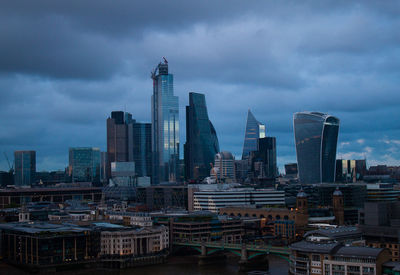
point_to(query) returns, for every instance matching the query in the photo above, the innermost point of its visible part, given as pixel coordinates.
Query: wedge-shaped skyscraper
(201, 139)
(254, 131)
(316, 137)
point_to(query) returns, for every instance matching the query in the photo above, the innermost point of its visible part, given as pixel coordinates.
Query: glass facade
(141, 148)
(201, 139)
(316, 137)
(84, 164)
(165, 126)
(25, 167)
(254, 131)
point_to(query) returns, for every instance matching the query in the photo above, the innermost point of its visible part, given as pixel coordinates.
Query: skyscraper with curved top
(201, 139)
(165, 125)
(254, 131)
(316, 137)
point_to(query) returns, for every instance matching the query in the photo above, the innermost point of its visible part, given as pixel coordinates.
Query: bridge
(246, 252)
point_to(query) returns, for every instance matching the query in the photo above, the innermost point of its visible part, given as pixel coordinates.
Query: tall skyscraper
(25, 167)
(165, 125)
(117, 139)
(254, 131)
(316, 137)
(140, 147)
(84, 164)
(201, 139)
(224, 167)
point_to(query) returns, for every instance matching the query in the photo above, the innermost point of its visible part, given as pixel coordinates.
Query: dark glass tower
(165, 126)
(84, 164)
(266, 154)
(201, 139)
(25, 167)
(254, 131)
(316, 137)
(140, 135)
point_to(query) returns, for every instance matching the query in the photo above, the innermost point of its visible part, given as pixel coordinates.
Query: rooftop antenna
(165, 60)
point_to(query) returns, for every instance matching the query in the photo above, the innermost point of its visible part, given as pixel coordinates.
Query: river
(176, 265)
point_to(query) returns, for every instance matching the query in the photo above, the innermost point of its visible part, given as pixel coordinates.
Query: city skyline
(344, 64)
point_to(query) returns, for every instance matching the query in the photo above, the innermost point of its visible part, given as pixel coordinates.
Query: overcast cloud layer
(65, 65)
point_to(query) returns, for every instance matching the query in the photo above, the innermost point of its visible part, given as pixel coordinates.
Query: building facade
(254, 131)
(165, 126)
(140, 136)
(25, 167)
(84, 164)
(214, 200)
(316, 137)
(263, 160)
(224, 167)
(201, 139)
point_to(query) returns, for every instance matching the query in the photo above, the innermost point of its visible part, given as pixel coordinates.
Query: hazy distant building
(224, 167)
(123, 173)
(291, 169)
(84, 164)
(254, 131)
(103, 166)
(25, 167)
(201, 139)
(316, 137)
(263, 160)
(165, 125)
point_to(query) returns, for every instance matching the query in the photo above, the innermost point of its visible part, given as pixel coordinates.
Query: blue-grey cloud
(66, 65)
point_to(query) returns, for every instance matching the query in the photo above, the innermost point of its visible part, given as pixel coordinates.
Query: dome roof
(301, 194)
(337, 192)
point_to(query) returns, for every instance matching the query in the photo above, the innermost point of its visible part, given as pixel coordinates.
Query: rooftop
(305, 246)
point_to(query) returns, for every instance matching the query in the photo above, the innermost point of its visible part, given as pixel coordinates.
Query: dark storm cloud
(66, 65)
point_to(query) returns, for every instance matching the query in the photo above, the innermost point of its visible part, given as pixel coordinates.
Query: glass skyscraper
(141, 147)
(254, 131)
(84, 164)
(316, 137)
(25, 167)
(165, 126)
(201, 139)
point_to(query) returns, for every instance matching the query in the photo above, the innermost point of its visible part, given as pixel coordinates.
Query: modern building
(103, 166)
(139, 137)
(350, 170)
(41, 245)
(254, 131)
(379, 223)
(117, 139)
(201, 139)
(316, 137)
(224, 167)
(84, 164)
(6, 178)
(123, 173)
(381, 192)
(165, 126)
(163, 196)
(263, 159)
(214, 200)
(25, 167)
(201, 226)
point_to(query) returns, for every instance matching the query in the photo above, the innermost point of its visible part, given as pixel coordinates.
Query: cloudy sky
(65, 65)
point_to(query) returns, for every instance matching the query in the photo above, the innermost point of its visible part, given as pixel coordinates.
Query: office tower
(139, 141)
(165, 125)
(84, 164)
(224, 167)
(254, 131)
(350, 170)
(316, 137)
(117, 139)
(103, 166)
(25, 167)
(201, 139)
(264, 159)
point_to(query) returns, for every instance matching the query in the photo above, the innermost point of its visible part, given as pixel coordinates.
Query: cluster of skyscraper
(151, 150)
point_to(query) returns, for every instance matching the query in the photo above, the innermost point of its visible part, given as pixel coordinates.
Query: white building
(213, 200)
